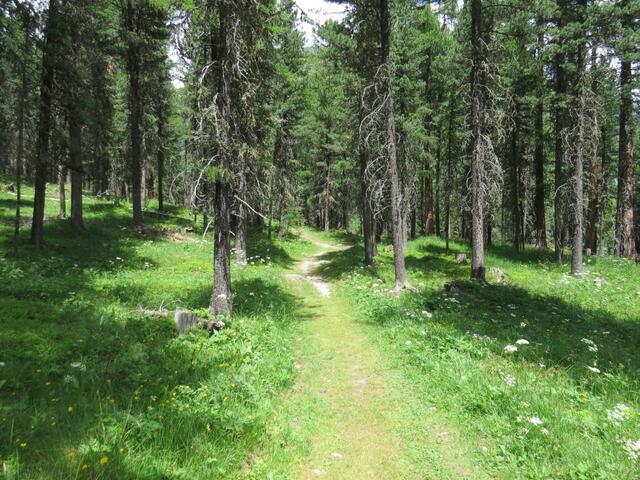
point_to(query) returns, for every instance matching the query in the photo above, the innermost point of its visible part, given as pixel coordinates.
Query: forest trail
(359, 419)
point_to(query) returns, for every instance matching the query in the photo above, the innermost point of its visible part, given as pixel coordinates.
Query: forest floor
(323, 372)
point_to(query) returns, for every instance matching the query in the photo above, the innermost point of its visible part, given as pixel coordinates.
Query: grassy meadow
(541, 369)
(537, 371)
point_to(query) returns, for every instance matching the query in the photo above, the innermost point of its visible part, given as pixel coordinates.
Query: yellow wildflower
(71, 454)
(208, 427)
(121, 450)
(85, 467)
(70, 409)
(104, 460)
(23, 445)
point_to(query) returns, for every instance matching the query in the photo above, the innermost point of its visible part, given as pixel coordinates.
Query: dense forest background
(494, 121)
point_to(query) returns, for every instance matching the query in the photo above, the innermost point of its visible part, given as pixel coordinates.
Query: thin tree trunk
(625, 238)
(241, 219)
(62, 181)
(44, 125)
(221, 299)
(449, 178)
(20, 152)
(515, 189)
(160, 160)
(540, 229)
(591, 239)
(604, 190)
(368, 222)
(397, 218)
(427, 186)
(538, 158)
(577, 268)
(477, 167)
(135, 114)
(75, 166)
(559, 159)
(437, 189)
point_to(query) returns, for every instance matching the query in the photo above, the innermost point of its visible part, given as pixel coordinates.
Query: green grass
(451, 347)
(88, 380)
(91, 388)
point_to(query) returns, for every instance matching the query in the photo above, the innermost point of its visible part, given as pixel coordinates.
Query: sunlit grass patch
(542, 368)
(92, 388)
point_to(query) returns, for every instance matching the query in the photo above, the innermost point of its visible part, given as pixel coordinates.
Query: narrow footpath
(356, 414)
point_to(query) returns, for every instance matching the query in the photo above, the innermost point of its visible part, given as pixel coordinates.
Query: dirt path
(354, 413)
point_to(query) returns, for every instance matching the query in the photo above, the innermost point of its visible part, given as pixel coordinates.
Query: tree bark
(540, 228)
(160, 161)
(477, 127)
(75, 166)
(135, 114)
(538, 158)
(62, 181)
(437, 182)
(44, 125)
(427, 187)
(368, 222)
(397, 218)
(24, 88)
(221, 299)
(604, 194)
(241, 222)
(559, 158)
(625, 238)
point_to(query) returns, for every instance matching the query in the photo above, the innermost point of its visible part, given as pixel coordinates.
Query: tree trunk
(591, 237)
(427, 186)
(538, 158)
(397, 218)
(241, 219)
(135, 114)
(44, 125)
(24, 88)
(477, 167)
(62, 180)
(604, 194)
(540, 228)
(368, 222)
(221, 300)
(449, 178)
(577, 268)
(515, 188)
(75, 166)
(160, 160)
(625, 239)
(559, 158)
(437, 180)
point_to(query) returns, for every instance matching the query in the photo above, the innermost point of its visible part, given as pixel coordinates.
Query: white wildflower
(593, 369)
(522, 324)
(427, 314)
(632, 448)
(522, 341)
(544, 431)
(510, 348)
(535, 421)
(79, 365)
(618, 414)
(2, 364)
(510, 380)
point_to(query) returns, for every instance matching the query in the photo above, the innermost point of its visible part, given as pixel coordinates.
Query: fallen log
(186, 320)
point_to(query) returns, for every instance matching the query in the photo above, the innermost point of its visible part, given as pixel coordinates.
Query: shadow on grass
(119, 393)
(554, 326)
